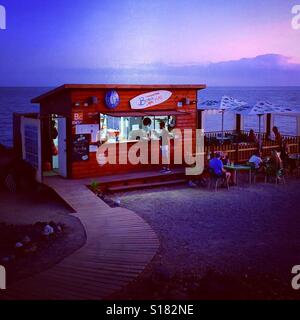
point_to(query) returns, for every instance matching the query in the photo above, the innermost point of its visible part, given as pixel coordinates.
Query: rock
(109, 201)
(8, 259)
(19, 248)
(57, 228)
(32, 248)
(117, 202)
(5, 259)
(19, 245)
(191, 184)
(48, 230)
(26, 240)
(101, 196)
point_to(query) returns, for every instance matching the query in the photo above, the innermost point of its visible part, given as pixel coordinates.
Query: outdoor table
(223, 138)
(294, 156)
(236, 168)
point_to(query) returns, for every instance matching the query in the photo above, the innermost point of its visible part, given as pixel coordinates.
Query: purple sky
(54, 41)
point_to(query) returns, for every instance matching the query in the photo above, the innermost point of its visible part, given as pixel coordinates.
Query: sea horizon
(18, 99)
(127, 83)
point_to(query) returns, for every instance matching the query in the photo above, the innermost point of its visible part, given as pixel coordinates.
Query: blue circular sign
(112, 99)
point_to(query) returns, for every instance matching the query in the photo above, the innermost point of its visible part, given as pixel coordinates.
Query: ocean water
(18, 100)
(15, 100)
(283, 96)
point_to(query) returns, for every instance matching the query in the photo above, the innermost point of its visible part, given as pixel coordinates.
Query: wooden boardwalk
(119, 246)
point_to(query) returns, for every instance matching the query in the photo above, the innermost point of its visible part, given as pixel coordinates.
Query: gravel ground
(26, 208)
(240, 243)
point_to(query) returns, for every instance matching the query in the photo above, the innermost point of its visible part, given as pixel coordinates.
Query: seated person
(225, 159)
(284, 154)
(276, 136)
(276, 161)
(252, 137)
(256, 160)
(217, 166)
(275, 166)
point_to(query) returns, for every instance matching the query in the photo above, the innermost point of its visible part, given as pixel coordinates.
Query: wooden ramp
(119, 245)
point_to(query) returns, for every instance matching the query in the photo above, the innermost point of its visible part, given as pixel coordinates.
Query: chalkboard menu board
(81, 147)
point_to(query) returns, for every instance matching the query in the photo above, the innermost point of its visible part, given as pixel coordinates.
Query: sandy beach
(236, 244)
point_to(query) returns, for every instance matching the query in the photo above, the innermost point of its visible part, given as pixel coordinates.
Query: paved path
(119, 246)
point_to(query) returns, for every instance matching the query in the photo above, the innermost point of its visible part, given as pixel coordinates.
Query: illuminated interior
(125, 129)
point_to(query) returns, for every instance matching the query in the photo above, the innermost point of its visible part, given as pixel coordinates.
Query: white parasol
(229, 103)
(226, 104)
(262, 108)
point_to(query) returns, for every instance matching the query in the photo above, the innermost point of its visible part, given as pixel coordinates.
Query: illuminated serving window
(125, 129)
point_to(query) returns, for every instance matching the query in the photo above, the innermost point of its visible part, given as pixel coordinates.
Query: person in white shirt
(257, 160)
(165, 136)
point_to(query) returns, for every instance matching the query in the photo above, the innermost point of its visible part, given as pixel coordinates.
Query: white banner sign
(91, 129)
(150, 99)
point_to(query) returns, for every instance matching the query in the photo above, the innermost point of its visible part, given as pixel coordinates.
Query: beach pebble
(19, 245)
(48, 230)
(191, 184)
(26, 240)
(5, 259)
(117, 201)
(32, 248)
(8, 259)
(57, 228)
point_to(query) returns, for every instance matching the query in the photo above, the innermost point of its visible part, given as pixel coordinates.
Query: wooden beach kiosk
(63, 138)
(74, 119)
